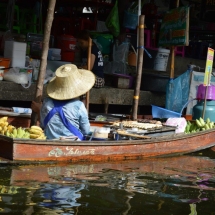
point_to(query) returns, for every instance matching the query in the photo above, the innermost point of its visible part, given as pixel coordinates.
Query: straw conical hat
(70, 82)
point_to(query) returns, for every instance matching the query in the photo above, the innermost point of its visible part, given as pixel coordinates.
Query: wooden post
(139, 67)
(172, 67)
(88, 67)
(43, 63)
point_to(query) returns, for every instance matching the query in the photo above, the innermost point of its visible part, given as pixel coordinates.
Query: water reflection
(180, 185)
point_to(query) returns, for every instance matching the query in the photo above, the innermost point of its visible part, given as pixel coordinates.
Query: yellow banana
(2, 124)
(10, 128)
(36, 128)
(34, 136)
(3, 119)
(42, 137)
(5, 128)
(35, 131)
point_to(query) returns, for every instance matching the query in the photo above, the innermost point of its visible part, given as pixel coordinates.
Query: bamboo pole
(43, 64)
(139, 67)
(88, 67)
(206, 96)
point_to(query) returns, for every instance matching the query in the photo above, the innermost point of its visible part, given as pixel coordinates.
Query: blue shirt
(74, 111)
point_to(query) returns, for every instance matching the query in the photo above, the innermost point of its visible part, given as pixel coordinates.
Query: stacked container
(16, 51)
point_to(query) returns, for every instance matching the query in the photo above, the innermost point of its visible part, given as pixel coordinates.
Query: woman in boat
(62, 113)
(96, 58)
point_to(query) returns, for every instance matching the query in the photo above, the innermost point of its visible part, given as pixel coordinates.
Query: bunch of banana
(17, 132)
(3, 125)
(199, 125)
(204, 125)
(191, 128)
(36, 133)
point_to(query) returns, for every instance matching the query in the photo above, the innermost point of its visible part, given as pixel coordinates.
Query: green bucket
(105, 40)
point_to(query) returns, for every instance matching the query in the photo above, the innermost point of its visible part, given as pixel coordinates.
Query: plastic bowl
(162, 113)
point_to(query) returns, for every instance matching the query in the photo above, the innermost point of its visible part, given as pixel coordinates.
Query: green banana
(202, 121)
(187, 129)
(7, 133)
(208, 121)
(210, 125)
(19, 132)
(12, 136)
(26, 135)
(199, 123)
(14, 132)
(207, 126)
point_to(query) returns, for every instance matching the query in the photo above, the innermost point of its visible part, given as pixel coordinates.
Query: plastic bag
(180, 123)
(15, 76)
(177, 92)
(120, 56)
(112, 21)
(120, 52)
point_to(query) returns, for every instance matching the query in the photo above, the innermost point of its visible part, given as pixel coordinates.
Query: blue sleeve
(84, 123)
(44, 111)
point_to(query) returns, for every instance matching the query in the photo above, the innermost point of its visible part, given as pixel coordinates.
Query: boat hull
(88, 151)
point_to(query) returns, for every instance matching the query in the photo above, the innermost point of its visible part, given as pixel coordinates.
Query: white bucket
(161, 60)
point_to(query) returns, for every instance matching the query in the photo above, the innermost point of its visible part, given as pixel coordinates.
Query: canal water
(183, 185)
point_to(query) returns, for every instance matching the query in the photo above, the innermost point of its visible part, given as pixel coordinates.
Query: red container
(68, 56)
(66, 43)
(5, 62)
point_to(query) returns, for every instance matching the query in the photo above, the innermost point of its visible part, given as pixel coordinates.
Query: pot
(132, 59)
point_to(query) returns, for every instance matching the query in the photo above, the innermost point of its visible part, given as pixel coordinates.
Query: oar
(43, 64)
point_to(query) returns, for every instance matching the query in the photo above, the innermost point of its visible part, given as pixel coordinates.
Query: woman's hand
(35, 106)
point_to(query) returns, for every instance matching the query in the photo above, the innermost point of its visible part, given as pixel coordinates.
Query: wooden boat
(102, 151)
(213, 148)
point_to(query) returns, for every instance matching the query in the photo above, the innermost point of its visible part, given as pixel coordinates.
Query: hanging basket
(130, 20)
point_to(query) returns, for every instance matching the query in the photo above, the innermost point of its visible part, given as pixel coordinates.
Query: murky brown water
(169, 186)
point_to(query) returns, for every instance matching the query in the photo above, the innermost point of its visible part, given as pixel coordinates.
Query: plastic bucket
(130, 20)
(161, 60)
(66, 43)
(68, 56)
(162, 113)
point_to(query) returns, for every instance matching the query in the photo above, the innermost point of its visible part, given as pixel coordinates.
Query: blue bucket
(130, 20)
(162, 113)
